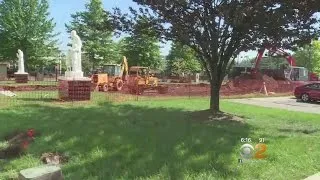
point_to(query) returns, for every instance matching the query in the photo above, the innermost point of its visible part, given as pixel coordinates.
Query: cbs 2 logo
(247, 150)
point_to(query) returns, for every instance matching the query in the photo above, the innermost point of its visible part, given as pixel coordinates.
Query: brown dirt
(247, 84)
(30, 88)
(206, 116)
(54, 158)
(239, 86)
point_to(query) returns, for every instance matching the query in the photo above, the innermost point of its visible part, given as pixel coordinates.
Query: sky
(61, 11)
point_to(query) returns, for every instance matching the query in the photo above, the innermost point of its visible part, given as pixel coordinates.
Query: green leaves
(218, 30)
(182, 59)
(142, 48)
(25, 25)
(309, 56)
(94, 28)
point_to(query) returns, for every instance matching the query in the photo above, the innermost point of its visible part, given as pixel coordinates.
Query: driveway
(288, 103)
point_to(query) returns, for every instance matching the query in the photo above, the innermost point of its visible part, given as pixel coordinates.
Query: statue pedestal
(21, 77)
(197, 77)
(73, 74)
(74, 89)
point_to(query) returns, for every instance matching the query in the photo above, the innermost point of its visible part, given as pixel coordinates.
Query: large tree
(182, 59)
(25, 25)
(309, 56)
(94, 28)
(218, 30)
(142, 46)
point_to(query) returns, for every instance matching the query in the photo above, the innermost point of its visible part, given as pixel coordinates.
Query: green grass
(160, 140)
(13, 83)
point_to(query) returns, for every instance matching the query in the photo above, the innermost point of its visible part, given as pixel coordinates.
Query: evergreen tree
(94, 28)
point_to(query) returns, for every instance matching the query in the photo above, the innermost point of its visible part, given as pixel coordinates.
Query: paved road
(288, 103)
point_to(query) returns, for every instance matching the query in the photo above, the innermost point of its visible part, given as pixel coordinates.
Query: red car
(308, 92)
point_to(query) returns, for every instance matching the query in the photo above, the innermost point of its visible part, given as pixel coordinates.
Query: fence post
(56, 75)
(190, 82)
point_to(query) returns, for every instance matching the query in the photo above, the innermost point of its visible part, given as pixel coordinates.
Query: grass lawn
(13, 83)
(160, 140)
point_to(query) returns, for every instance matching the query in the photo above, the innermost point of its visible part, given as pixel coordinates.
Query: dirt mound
(241, 85)
(246, 84)
(205, 116)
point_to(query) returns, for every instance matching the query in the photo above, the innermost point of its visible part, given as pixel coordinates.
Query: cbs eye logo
(247, 151)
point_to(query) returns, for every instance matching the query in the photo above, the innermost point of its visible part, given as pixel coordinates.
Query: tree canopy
(218, 30)
(309, 56)
(95, 30)
(142, 47)
(25, 25)
(182, 59)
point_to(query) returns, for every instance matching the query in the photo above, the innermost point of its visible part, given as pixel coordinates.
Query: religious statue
(73, 62)
(20, 62)
(76, 51)
(69, 61)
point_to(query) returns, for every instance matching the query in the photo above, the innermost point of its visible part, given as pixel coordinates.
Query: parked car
(308, 92)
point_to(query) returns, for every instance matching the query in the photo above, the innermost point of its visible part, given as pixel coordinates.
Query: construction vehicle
(140, 80)
(110, 76)
(292, 72)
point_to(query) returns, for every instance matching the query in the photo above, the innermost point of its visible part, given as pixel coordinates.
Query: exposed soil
(206, 116)
(29, 88)
(54, 158)
(239, 86)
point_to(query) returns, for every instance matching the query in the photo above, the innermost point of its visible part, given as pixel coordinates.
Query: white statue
(20, 62)
(76, 51)
(69, 61)
(74, 66)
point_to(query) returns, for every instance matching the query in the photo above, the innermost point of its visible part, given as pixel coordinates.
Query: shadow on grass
(124, 141)
(304, 131)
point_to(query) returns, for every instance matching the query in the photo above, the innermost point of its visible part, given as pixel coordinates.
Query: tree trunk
(215, 97)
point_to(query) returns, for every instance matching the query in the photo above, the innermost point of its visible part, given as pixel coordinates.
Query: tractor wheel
(119, 85)
(105, 88)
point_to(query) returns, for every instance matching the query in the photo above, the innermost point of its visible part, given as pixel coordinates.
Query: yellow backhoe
(140, 80)
(111, 76)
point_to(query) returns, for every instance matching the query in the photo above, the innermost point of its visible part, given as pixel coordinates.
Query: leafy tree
(25, 25)
(142, 47)
(218, 30)
(182, 59)
(309, 57)
(94, 28)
